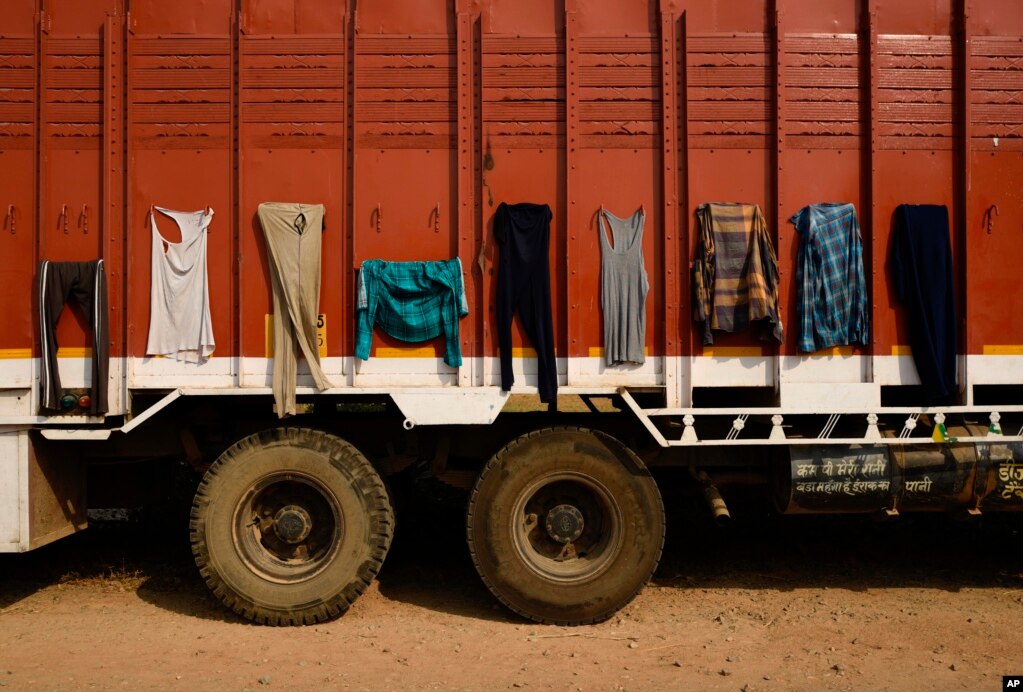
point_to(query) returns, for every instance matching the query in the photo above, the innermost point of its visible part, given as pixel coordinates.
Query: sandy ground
(769, 603)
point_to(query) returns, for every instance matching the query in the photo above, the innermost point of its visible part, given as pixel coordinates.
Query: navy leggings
(524, 283)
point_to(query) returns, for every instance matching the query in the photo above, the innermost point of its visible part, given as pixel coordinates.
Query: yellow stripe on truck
(10, 353)
(410, 352)
(732, 352)
(1003, 350)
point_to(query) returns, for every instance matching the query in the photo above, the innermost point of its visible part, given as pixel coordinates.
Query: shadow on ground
(763, 550)
(429, 564)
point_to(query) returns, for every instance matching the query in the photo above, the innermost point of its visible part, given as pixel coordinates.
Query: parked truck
(531, 141)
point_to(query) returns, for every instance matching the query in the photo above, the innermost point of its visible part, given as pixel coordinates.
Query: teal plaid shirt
(832, 302)
(411, 301)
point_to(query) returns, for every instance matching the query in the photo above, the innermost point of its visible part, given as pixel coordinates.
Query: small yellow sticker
(321, 335)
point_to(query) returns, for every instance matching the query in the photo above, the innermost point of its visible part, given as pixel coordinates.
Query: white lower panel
(837, 371)
(524, 371)
(13, 491)
(18, 395)
(825, 368)
(827, 397)
(75, 372)
(732, 371)
(414, 372)
(258, 372)
(595, 372)
(17, 372)
(154, 372)
(828, 382)
(995, 369)
(812, 378)
(15, 402)
(42, 497)
(20, 378)
(895, 370)
(467, 406)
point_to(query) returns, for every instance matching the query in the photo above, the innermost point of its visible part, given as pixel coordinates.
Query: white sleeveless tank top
(179, 321)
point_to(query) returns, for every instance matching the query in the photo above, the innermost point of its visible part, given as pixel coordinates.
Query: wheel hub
(292, 524)
(565, 523)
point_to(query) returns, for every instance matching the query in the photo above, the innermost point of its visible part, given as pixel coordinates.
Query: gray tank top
(623, 287)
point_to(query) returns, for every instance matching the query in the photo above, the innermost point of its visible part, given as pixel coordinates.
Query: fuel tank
(892, 478)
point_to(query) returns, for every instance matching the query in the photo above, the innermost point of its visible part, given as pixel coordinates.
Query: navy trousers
(524, 284)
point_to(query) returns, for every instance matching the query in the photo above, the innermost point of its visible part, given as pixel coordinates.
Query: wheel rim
(567, 527)
(288, 527)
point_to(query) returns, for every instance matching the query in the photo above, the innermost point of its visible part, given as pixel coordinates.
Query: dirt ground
(768, 603)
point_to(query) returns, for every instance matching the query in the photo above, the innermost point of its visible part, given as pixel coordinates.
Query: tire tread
(381, 517)
(496, 462)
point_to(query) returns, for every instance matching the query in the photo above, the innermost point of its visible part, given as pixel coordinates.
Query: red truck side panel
(994, 212)
(523, 139)
(181, 147)
(293, 65)
(915, 140)
(411, 122)
(71, 162)
(18, 84)
(615, 160)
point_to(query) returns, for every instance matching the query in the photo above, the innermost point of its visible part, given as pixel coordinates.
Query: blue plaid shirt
(411, 301)
(832, 290)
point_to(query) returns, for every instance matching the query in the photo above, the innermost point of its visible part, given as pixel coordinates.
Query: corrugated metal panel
(429, 118)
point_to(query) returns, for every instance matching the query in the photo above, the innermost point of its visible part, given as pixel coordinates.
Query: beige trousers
(293, 239)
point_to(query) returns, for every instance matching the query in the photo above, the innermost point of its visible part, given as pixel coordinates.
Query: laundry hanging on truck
(180, 326)
(523, 233)
(411, 301)
(293, 240)
(921, 266)
(86, 283)
(623, 287)
(735, 274)
(832, 291)
(412, 130)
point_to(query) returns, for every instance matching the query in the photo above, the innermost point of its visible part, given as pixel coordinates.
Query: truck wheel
(565, 525)
(290, 526)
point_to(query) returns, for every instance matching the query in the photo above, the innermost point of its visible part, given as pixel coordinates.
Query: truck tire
(565, 525)
(290, 525)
